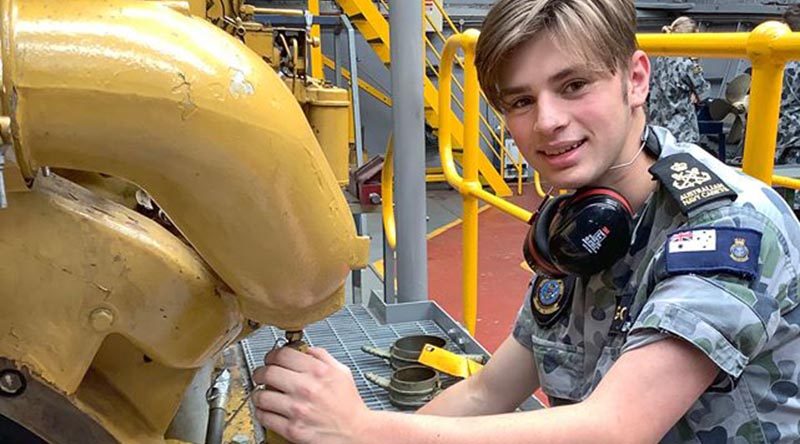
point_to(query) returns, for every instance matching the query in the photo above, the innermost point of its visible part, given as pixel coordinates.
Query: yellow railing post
(471, 181)
(765, 100)
(316, 47)
(469, 186)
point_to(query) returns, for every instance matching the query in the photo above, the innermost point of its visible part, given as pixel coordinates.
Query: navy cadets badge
(690, 182)
(549, 299)
(739, 251)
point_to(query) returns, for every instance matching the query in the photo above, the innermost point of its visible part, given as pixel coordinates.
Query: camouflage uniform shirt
(673, 81)
(749, 326)
(787, 149)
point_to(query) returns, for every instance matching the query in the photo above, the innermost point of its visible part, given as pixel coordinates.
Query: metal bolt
(101, 319)
(12, 383)
(294, 335)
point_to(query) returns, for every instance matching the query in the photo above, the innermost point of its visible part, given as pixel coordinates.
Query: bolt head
(12, 383)
(101, 319)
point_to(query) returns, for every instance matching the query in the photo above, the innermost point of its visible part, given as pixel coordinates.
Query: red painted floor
(501, 281)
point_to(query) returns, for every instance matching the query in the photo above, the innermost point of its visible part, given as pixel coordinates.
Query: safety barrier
(769, 47)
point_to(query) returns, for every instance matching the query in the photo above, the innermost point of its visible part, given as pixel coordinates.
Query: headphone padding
(541, 232)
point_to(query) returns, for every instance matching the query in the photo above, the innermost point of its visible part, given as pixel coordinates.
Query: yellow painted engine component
(106, 315)
(262, 42)
(106, 306)
(173, 104)
(328, 111)
(326, 107)
(109, 187)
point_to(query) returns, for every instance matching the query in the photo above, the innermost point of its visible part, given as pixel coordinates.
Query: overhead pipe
(175, 105)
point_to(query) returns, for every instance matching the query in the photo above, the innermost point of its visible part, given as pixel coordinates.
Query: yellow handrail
(469, 186)
(768, 47)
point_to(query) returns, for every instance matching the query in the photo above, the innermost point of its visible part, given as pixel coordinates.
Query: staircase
(370, 22)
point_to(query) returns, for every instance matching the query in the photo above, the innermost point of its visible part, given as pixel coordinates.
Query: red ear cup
(536, 249)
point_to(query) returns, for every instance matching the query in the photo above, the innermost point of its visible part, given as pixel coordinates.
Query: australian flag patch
(711, 250)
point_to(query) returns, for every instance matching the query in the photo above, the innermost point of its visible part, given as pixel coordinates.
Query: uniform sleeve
(694, 77)
(523, 327)
(726, 314)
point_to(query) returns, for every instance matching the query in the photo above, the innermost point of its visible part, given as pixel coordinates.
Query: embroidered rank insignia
(690, 182)
(712, 250)
(550, 298)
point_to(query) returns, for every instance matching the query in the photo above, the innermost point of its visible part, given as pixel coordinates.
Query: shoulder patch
(690, 182)
(550, 299)
(706, 250)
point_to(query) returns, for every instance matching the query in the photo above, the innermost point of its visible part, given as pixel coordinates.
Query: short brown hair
(602, 32)
(792, 17)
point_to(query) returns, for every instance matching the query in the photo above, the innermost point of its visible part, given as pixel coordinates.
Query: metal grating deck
(343, 334)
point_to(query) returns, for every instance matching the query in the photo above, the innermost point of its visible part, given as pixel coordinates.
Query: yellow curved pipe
(175, 105)
(387, 195)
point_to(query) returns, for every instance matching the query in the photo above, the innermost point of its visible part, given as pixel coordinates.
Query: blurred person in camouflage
(676, 84)
(665, 301)
(787, 150)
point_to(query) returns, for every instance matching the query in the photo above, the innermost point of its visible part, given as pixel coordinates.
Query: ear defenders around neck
(580, 233)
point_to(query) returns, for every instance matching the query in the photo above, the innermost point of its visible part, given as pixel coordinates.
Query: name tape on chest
(690, 182)
(712, 250)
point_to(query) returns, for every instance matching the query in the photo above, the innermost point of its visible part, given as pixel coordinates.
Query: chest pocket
(565, 371)
(560, 368)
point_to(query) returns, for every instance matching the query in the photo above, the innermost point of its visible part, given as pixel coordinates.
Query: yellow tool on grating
(448, 362)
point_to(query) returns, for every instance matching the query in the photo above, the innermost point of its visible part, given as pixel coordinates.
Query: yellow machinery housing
(287, 49)
(107, 315)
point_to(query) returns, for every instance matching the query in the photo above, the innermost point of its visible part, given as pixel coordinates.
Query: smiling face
(572, 121)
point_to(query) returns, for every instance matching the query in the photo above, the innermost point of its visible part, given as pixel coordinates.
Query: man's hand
(309, 397)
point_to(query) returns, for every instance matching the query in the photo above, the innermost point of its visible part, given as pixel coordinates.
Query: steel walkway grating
(343, 334)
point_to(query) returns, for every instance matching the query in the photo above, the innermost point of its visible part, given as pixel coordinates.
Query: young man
(691, 336)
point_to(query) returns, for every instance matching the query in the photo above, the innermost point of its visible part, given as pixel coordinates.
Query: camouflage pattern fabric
(750, 328)
(787, 147)
(673, 82)
(787, 150)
